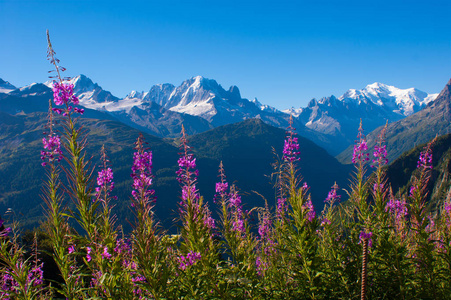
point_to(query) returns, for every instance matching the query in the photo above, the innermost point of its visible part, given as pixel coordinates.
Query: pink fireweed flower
(142, 173)
(425, 159)
(4, 231)
(187, 172)
(281, 207)
(366, 236)
(398, 210)
(291, 145)
(189, 192)
(52, 149)
(36, 275)
(88, 254)
(190, 259)
(264, 227)
(235, 200)
(105, 180)
(105, 176)
(380, 155)
(79, 110)
(261, 266)
(325, 221)
(209, 222)
(238, 224)
(63, 93)
(359, 155)
(105, 253)
(311, 214)
(332, 196)
(221, 187)
(71, 249)
(380, 150)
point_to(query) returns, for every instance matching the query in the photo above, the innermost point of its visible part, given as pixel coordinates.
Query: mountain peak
(445, 94)
(6, 87)
(82, 83)
(378, 85)
(235, 91)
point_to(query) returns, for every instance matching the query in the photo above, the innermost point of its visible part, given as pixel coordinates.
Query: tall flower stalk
(421, 224)
(150, 247)
(197, 228)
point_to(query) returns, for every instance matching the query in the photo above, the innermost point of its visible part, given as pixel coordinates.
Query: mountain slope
(401, 170)
(418, 128)
(246, 150)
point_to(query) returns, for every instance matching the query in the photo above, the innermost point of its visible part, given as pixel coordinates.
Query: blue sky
(282, 52)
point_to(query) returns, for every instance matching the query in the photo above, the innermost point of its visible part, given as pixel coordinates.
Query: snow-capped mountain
(207, 99)
(414, 130)
(6, 87)
(198, 96)
(376, 104)
(401, 101)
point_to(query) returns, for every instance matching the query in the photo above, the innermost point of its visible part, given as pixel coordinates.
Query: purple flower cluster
(187, 172)
(291, 145)
(359, 155)
(209, 222)
(266, 244)
(366, 236)
(105, 253)
(397, 208)
(221, 187)
(187, 177)
(264, 227)
(36, 275)
(104, 177)
(425, 159)
(290, 148)
(325, 221)
(332, 196)
(190, 192)
(281, 207)
(4, 231)
(105, 180)
(138, 279)
(63, 94)
(380, 155)
(52, 149)
(308, 206)
(261, 266)
(88, 254)
(190, 259)
(237, 213)
(187, 167)
(9, 286)
(142, 173)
